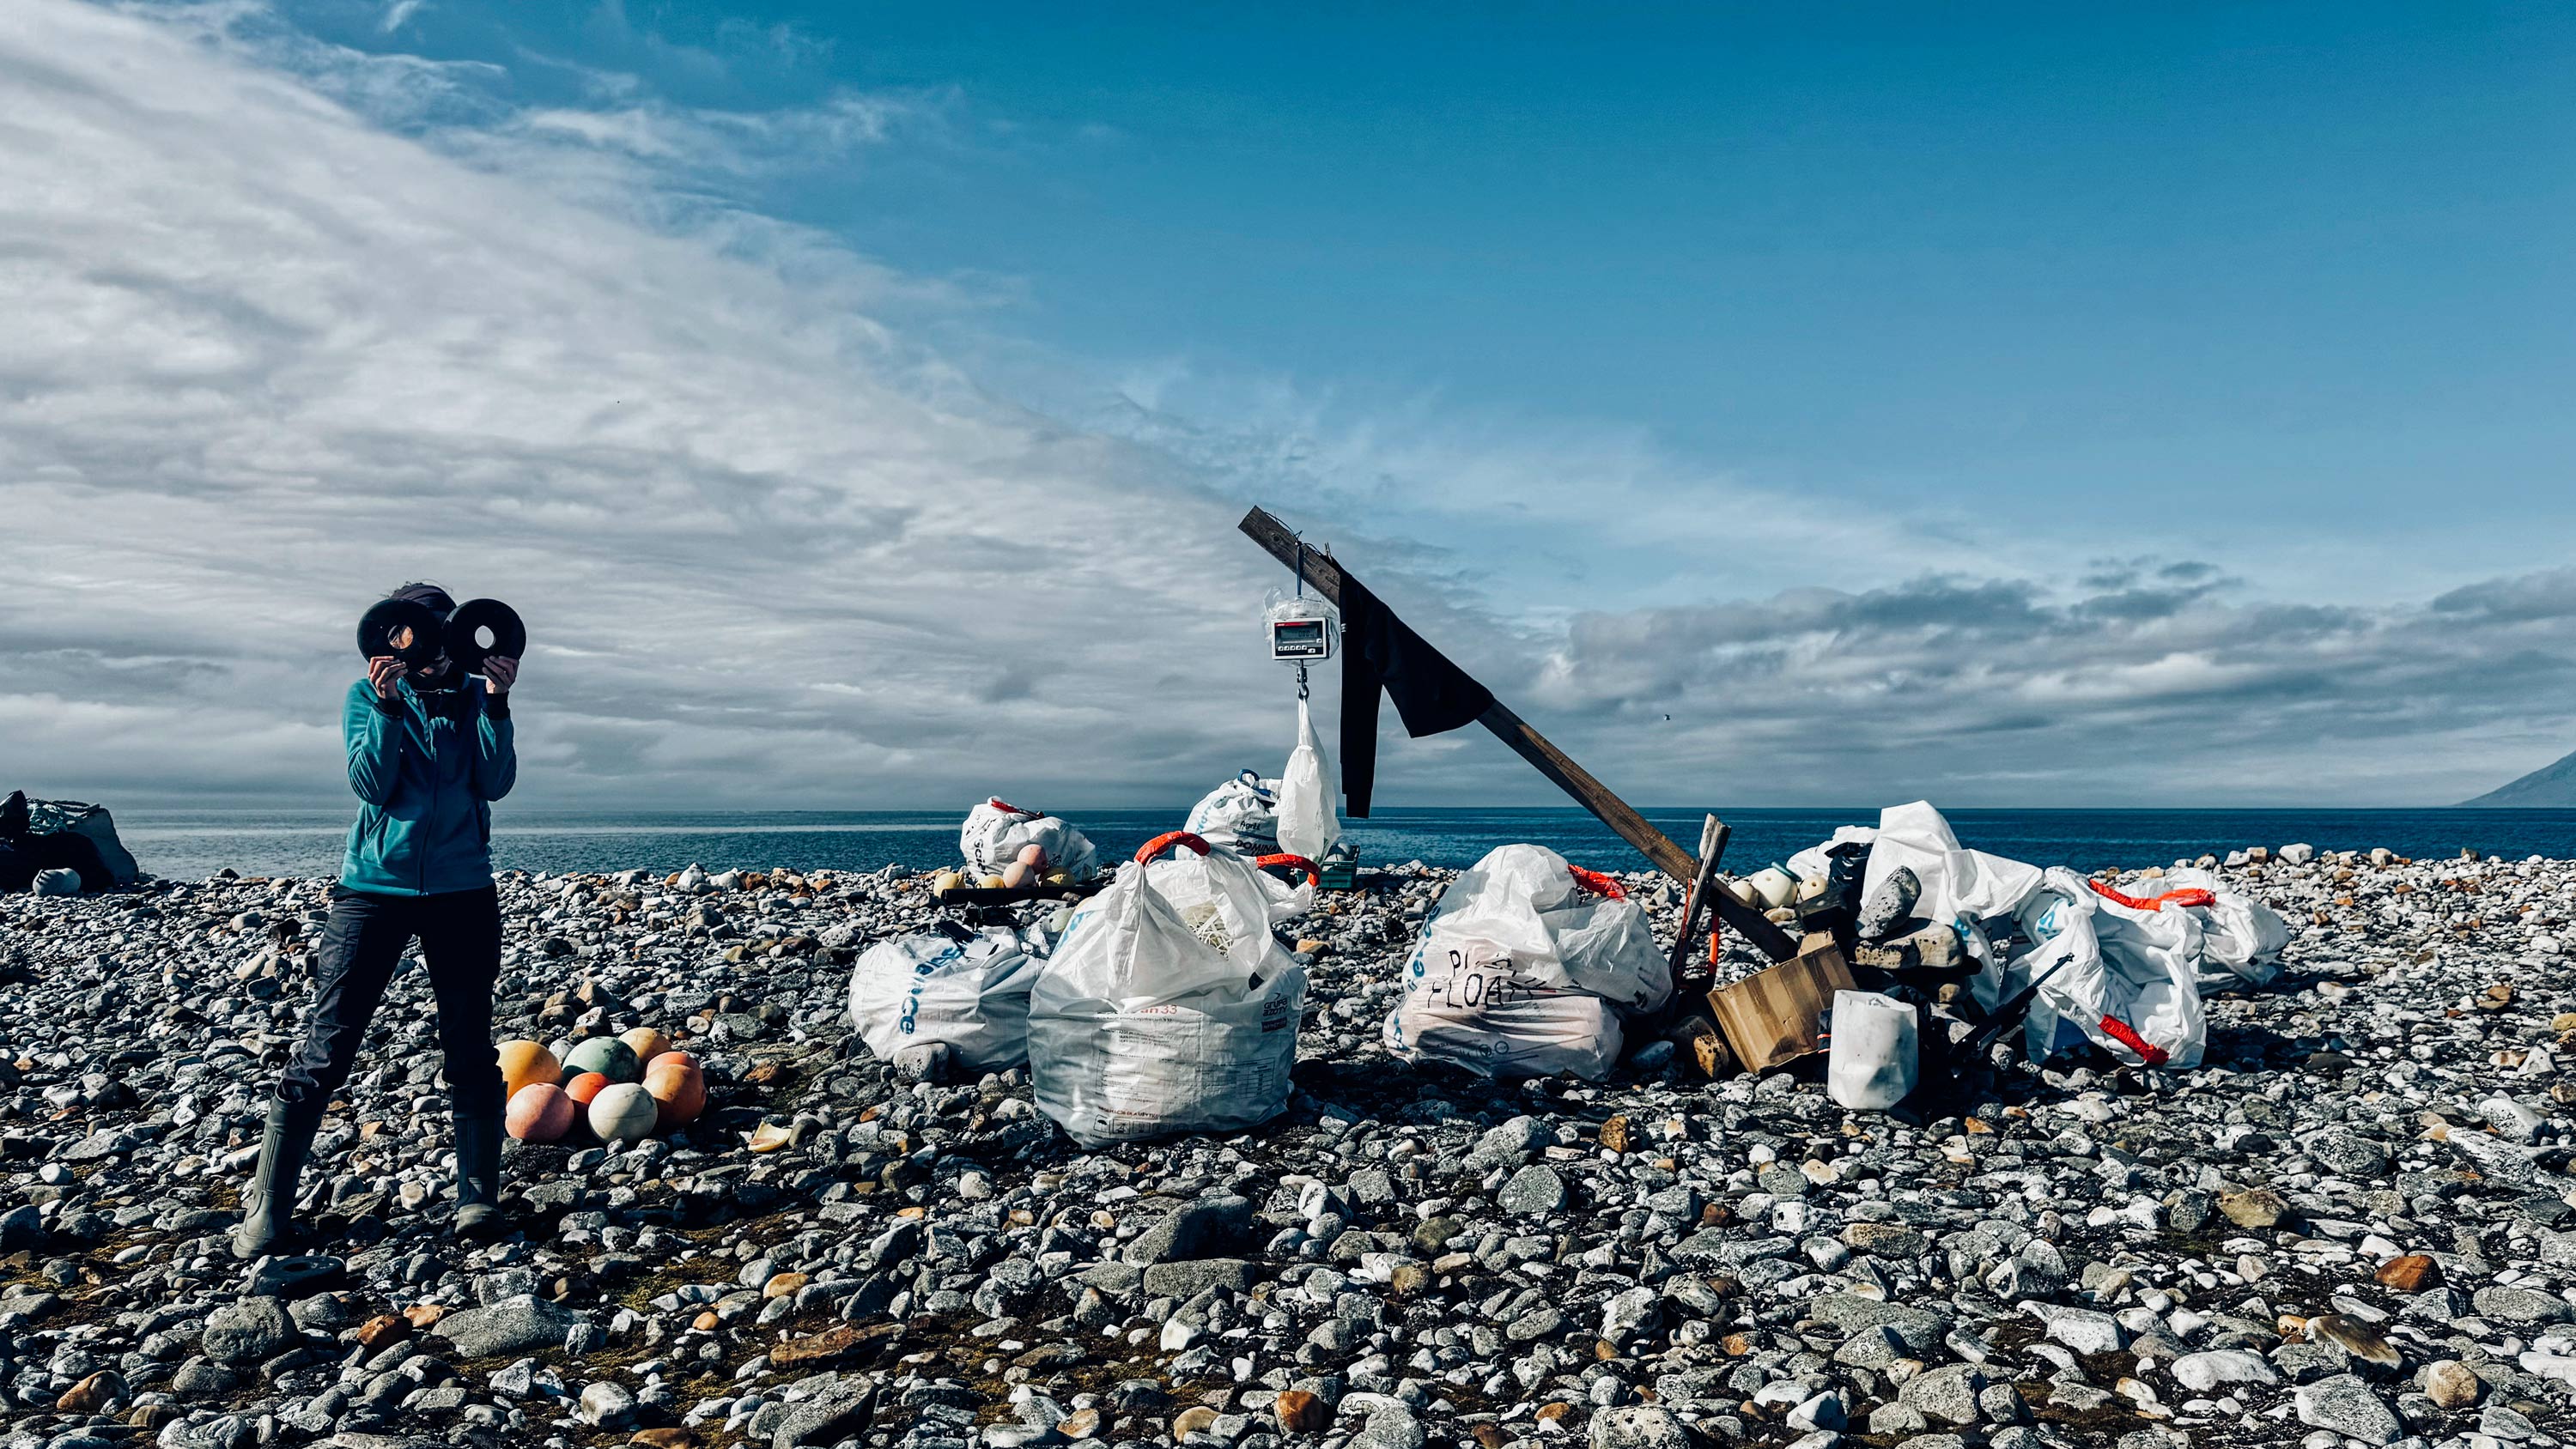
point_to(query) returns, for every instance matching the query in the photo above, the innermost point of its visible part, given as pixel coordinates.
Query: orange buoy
(679, 1088)
(646, 1042)
(584, 1087)
(524, 1062)
(539, 1112)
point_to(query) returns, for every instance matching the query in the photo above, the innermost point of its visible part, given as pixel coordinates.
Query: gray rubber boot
(478, 1176)
(268, 1204)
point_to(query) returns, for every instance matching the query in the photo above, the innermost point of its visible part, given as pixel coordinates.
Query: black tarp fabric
(1380, 652)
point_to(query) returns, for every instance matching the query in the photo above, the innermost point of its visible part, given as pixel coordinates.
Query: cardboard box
(1774, 1016)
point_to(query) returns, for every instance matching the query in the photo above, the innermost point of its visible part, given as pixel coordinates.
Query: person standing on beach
(428, 753)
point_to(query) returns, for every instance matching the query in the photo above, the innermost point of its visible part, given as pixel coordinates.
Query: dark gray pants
(362, 943)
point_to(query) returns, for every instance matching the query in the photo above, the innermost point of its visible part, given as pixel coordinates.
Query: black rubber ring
(509, 636)
(388, 617)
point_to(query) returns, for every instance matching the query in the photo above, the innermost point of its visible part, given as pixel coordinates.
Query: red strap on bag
(1314, 876)
(1159, 843)
(2127, 1036)
(1170, 838)
(1597, 883)
(1005, 807)
(2192, 897)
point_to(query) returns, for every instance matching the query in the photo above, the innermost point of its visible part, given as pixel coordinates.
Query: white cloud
(288, 324)
(266, 359)
(2170, 689)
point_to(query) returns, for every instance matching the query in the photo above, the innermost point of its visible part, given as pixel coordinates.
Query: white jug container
(1873, 1063)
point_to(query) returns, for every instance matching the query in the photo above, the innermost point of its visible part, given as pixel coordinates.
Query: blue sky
(2010, 404)
(2262, 262)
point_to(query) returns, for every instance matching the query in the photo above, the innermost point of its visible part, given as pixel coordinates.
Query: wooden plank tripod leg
(1713, 834)
(1691, 1031)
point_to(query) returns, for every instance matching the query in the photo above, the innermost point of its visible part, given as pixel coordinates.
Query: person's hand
(384, 671)
(500, 672)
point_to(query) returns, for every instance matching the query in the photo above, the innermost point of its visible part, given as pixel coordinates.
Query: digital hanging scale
(1301, 630)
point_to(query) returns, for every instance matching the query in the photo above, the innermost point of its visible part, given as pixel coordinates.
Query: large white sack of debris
(971, 996)
(995, 833)
(1194, 880)
(1547, 923)
(2239, 935)
(1476, 1012)
(1956, 881)
(1156, 1016)
(1241, 815)
(2122, 977)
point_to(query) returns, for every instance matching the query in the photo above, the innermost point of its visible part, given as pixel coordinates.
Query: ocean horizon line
(712, 812)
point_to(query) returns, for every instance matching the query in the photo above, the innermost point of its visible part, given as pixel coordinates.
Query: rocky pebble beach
(2351, 1225)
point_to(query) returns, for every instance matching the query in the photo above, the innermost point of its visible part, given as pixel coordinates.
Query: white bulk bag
(995, 833)
(1145, 1023)
(1559, 928)
(2240, 937)
(1310, 818)
(1193, 886)
(1468, 1008)
(925, 988)
(1241, 815)
(2122, 977)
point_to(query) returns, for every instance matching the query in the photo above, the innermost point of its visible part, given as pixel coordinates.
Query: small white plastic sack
(2241, 939)
(995, 834)
(1526, 907)
(1241, 815)
(1310, 818)
(2124, 978)
(1476, 1014)
(1144, 1023)
(924, 988)
(1956, 881)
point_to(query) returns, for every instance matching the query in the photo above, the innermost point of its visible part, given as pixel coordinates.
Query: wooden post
(1712, 844)
(1326, 577)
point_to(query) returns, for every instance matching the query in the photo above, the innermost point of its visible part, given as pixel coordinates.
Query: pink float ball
(539, 1112)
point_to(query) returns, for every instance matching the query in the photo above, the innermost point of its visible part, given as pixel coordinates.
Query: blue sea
(187, 845)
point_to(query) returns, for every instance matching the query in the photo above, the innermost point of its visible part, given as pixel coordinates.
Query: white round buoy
(624, 1111)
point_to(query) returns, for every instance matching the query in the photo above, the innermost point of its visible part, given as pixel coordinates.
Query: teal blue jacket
(425, 789)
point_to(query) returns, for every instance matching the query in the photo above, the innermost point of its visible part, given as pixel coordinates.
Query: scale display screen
(1298, 639)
